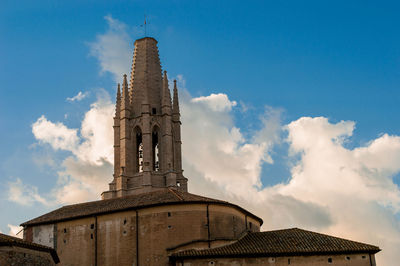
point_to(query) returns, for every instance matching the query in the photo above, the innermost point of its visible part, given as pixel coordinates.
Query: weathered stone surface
(15, 251)
(147, 141)
(16, 256)
(340, 260)
(146, 236)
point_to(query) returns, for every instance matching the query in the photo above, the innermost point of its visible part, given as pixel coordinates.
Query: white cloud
(355, 186)
(80, 96)
(24, 194)
(55, 134)
(217, 102)
(15, 230)
(87, 171)
(220, 151)
(81, 181)
(86, 174)
(344, 192)
(112, 49)
(95, 132)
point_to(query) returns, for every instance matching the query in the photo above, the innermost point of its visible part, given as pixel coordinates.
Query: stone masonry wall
(337, 260)
(17, 256)
(113, 239)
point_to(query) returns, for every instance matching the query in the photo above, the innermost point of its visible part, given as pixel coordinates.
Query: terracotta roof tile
(6, 240)
(282, 242)
(161, 197)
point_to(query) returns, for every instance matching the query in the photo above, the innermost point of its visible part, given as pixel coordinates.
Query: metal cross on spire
(144, 25)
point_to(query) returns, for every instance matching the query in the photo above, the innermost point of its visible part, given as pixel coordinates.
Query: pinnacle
(125, 94)
(118, 101)
(118, 91)
(166, 95)
(175, 108)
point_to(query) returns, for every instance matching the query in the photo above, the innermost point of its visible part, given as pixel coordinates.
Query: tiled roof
(6, 240)
(280, 243)
(156, 198)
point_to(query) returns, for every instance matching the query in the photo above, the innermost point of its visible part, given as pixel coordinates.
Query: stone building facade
(15, 251)
(148, 217)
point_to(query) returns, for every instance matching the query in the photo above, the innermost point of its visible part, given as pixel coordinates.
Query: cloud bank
(344, 192)
(332, 189)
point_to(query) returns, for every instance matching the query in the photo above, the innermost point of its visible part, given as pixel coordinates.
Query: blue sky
(338, 60)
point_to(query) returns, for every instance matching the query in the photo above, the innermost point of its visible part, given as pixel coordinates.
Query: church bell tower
(147, 129)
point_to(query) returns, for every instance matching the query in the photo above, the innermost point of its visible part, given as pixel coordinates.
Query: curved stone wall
(147, 235)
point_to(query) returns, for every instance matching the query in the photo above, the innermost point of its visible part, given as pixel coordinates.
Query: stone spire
(125, 94)
(176, 119)
(116, 127)
(118, 101)
(166, 94)
(175, 108)
(146, 76)
(147, 152)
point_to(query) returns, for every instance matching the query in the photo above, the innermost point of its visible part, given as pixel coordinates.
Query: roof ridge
(163, 196)
(14, 239)
(336, 237)
(264, 243)
(113, 199)
(173, 192)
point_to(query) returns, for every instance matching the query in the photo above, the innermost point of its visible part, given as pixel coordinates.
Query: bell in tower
(147, 133)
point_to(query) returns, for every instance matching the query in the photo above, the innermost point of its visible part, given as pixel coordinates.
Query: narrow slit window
(139, 151)
(156, 161)
(140, 159)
